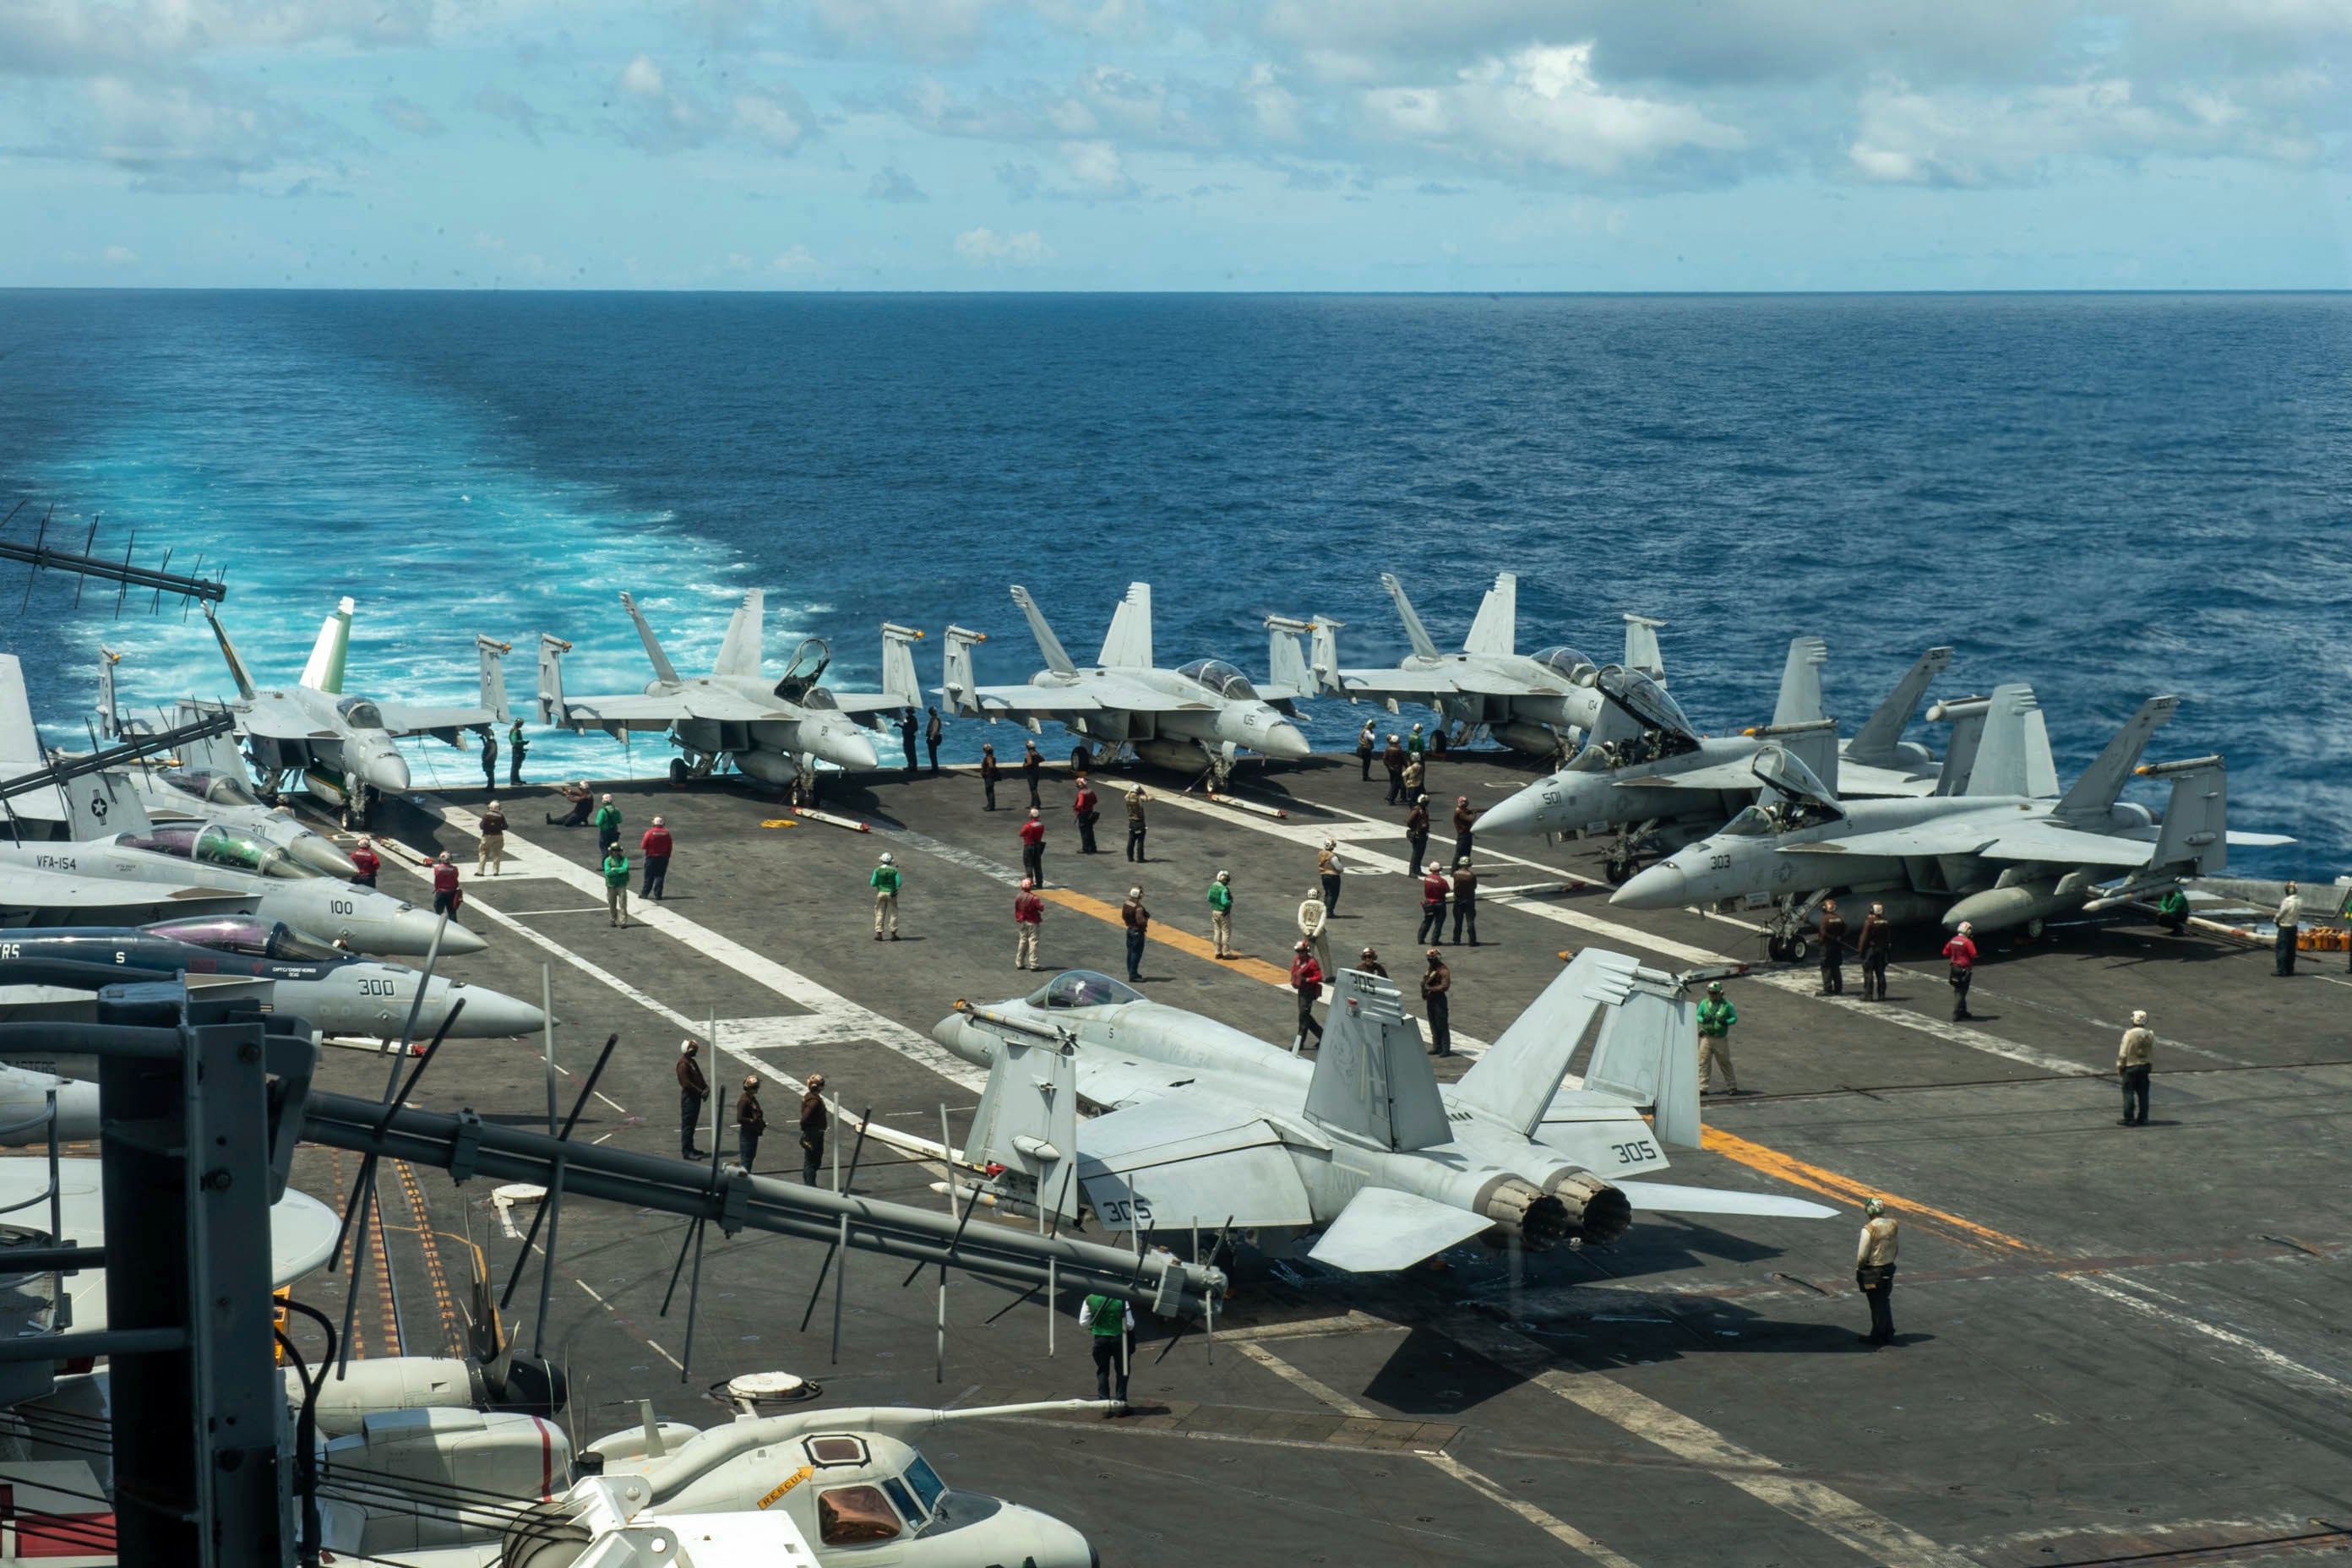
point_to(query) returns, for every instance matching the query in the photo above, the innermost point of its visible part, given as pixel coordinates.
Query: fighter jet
(1646, 773)
(1539, 703)
(345, 749)
(1212, 1127)
(1994, 855)
(768, 727)
(341, 993)
(1198, 716)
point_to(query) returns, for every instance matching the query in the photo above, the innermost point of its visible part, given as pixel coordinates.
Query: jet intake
(1596, 1211)
(1536, 1219)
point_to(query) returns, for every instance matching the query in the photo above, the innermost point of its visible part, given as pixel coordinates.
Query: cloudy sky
(1352, 144)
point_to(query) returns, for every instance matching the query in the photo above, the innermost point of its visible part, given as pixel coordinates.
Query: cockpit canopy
(360, 714)
(1083, 988)
(210, 844)
(1569, 665)
(1644, 699)
(1781, 771)
(245, 934)
(221, 789)
(1219, 678)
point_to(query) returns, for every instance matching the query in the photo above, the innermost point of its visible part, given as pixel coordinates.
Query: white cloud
(925, 29)
(119, 255)
(778, 119)
(1096, 170)
(1541, 107)
(796, 259)
(400, 113)
(75, 38)
(889, 185)
(1273, 107)
(187, 135)
(643, 78)
(658, 116)
(986, 247)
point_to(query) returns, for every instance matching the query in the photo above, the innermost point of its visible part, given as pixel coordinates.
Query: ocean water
(2108, 496)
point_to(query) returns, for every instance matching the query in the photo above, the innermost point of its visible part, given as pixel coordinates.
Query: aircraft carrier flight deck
(2115, 1345)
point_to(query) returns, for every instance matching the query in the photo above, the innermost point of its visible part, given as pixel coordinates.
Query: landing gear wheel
(1082, 759)
(1619, 872)
(678, 771)
(2033, 929)
(1798, 948)
(1776, 950)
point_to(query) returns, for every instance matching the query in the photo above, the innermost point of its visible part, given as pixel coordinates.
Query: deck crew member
(655, 848)
(814, 1121)
(988, 771)
(2172, 910)
(1083, 806)
(1465, 899)
(1221, 913)
(616, 885)
(1434, 890)
(1463, 819)
(693, 1089)
(751, 1121)
(1135, 824)
(1366, 744)
(1107, 1321)
(576, 795)
(1314, 919)
(1032, 768)
(1327, 871)
(492, 849)
(1416, 833)
(1873, 1270)
(2289, 921)
(364, 864)
(1961, 953)
(1416, 744)
(907, 736)
(1715, 1018)
(1393, 759)
(516, 747)
(1138, 920)
(1436, 984)
(885, 883)
(934, 730)
(2133, 1057)
(608, 826)
(489, 759)
(446, 896)
(1028, 915)
(1306, 980)
(1877, 944)
(1370, 963)
(1033, 847)
(1415, 772)
(1832, 950)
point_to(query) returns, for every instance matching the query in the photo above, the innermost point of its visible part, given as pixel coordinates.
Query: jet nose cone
(1662, 887)
(847, 748)
(1518, 814)
(457, 941)
(321, 856)
(493, 1015)
(1285, 741)
(386, 772)
(949, 1032)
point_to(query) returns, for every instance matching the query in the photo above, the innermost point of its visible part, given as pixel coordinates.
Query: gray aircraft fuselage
(1219, 720)
(343, 737)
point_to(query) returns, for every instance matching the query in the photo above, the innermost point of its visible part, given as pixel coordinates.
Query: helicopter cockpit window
(360, 714)
(924, 1482)
(848, 1516)
(896, 1490)
(835, 1450)
(1568, 664)
(1083, 988)
(1219, 678)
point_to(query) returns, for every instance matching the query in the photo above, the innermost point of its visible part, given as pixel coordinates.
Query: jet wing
(2065, 845)
(282, 722)
(33, 897)
(1669, 1197)
(1419, 685)
(1733, 774)
(622, 712)
(1963, 836)
(1197, 1159)
(402, 720)
(1384, 1229)
(993, 700)
(868, 701)
(1862, 779)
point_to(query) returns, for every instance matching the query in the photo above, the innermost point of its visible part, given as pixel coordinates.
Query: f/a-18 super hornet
(337, 990)
(1539, 703)
(1199, 716)
(770, 728)
(1994, 855)
(1212, 1127)
(1647, 774)
(345, 749)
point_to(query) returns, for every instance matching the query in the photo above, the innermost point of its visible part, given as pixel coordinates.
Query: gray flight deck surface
(2117, 1345)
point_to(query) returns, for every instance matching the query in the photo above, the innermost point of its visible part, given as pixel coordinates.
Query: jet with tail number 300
(1211, 1127)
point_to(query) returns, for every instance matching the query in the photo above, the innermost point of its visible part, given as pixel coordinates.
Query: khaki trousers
(886, 907)
(1024, 945)
(1221, 931)
(1714, 1049)
(489, 853)
(616, 904)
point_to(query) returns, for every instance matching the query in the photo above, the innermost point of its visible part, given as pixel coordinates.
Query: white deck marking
(832, 1017)
(1559, 1528)
(2286, 1367)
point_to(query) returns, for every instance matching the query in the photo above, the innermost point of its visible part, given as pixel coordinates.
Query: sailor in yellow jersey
(1873, 1270)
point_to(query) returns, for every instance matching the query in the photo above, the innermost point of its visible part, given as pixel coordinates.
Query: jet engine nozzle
(1538, 1221)
(1596, 1211)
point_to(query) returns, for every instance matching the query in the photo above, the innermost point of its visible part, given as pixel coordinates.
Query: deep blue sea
(2107, 496)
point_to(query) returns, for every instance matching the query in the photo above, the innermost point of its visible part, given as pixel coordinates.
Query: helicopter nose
(1662, 887)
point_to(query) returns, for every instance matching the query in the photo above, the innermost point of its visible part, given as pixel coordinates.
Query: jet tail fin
(1286, 661)
(663, 668)
(1513, 1084)
(1642, 645)
(2196, 828)
(1416, 633)
(109, 713)
(2088, 804)
(739, 653)
(1648, 1055)
(899, 682)
(100, 806)
(1372, 1076)
(1801, 683)
(494, 676)
(325, 670)
(1128, 643)
(1324, 656)
(551, 650)
(236, 670)
(1028, 1121)
(956, 681)
(1497, 629)
(215, 753)
(1999, 766)
(1874, 743)
(1049, 646)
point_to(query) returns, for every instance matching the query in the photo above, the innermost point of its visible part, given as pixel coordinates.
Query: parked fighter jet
(1211, 1127)
(1646, 773)
(768, 728)
(1993, 855)
(339, 992)
(345, 749)
(1198, 716)
(1540, 702)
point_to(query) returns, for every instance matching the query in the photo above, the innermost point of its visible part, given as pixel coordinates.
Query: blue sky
(1350, 144)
